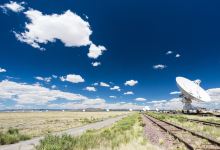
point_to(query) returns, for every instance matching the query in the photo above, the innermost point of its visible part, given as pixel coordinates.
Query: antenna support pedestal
(188, 104)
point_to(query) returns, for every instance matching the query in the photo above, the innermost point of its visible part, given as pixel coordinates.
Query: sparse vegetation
(12, 136)
(120, 134)
(181, 120)
(41, 123)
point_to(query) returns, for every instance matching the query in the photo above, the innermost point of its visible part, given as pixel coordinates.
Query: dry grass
(205, 118)
(181, 120)
(40, 123)
(126, 134)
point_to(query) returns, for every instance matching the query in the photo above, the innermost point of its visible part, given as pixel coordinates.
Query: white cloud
(112, 96)
(214, 94)
(68, 27)
(53, 86)
(13, 6)
(96, 103)
(159, 66)
(24, 93)
(131, 82)
(95, 64)
(146, 108)
(72, 78)
(90, 88)
(129, 93)
(177, 55)
(95, 84)
(95, 51)
(140, 99)
(157, 101)
(31, 96)
(46, 79)
(2, 70)
(117, 88)
(176, 104)
(175, 92)
(54, 76)
(104, 84)
(173, 104)
(169, 52)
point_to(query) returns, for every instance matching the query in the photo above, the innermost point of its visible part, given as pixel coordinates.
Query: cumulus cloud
(72, 78)
(53, 86)
(13, 6)
(175, 92)
(54, 76)
(159, 66)
(95, 84)
(129, 93)
(176, 104)
(140, 99)
(169, 52)
(95, 51)
(117, 88)
(90, 88)
(2, 70)
(96, 103)
(24, 93)
(214, 94)
(95, 64)
(112, 96)
(104, 84)
(131, 82)
(173, 104)
(27, 95)
(68, 27)
(178, 55)
(46, 79)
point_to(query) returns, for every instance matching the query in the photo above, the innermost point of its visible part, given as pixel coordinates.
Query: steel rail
(189, 146)
(205, 122)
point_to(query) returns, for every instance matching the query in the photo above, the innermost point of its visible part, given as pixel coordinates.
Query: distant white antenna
(191, 91)
(146, 108)
(130, 109)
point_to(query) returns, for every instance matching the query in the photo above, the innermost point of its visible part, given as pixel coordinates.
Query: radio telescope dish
(191, 91)
(146, 108)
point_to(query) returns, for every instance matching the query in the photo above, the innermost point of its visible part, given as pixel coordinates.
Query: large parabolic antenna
(191, 91)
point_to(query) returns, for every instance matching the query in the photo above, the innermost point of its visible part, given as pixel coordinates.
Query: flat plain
(41, 123)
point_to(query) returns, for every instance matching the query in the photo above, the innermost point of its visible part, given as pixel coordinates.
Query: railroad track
(205, 122)
(191, 139)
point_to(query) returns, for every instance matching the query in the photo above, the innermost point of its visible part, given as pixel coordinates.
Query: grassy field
(206, 118)
(126, 134)
(181, 120)
(40, 123)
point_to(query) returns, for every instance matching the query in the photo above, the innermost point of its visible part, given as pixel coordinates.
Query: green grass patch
(12, 136)
(121, 132)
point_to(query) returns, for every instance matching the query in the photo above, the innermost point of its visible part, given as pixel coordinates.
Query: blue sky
(130, 40)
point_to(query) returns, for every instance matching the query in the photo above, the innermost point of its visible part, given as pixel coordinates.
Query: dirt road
(30, 144)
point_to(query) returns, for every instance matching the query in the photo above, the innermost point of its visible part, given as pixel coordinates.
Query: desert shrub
(12, 136)
(13, 131)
